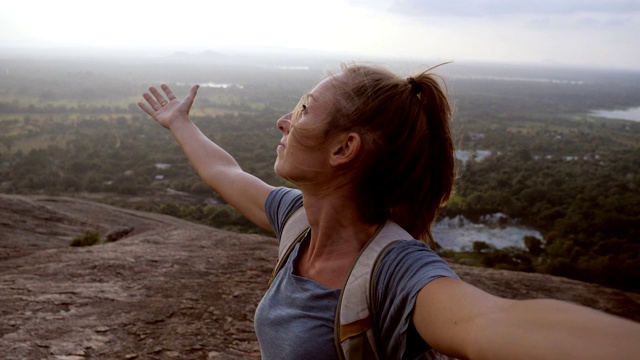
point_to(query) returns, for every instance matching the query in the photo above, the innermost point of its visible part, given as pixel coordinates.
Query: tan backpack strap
(353, 314)
(355, 328)
(294, 230)
(295, 225)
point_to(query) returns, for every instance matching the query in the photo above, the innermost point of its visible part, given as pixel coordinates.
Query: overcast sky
(601, 33)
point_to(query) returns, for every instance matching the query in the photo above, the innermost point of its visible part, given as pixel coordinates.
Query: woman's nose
(284, 123)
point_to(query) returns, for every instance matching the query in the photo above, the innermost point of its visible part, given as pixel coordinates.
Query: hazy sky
(603, 33)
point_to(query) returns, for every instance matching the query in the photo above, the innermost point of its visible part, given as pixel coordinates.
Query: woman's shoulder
(404, 269)
(281, 193)
(413, 257)
(280, 204)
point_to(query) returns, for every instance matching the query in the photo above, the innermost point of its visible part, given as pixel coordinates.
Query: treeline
(541, 91)
(43, 107)
(130, 156)
(587, 208)
(16, 107)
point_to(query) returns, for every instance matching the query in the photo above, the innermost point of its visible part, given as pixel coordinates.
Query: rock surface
(168, 289)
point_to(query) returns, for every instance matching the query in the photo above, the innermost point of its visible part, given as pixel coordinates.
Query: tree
(533, 244)
(481, 247)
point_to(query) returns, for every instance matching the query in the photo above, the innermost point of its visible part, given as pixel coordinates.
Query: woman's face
(303, 151)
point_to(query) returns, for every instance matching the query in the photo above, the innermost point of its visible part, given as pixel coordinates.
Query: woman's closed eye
(299, 110)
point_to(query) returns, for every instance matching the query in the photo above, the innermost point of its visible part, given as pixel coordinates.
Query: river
(632, 114)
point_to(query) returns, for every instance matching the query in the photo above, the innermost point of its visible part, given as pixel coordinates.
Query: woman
(365, 146)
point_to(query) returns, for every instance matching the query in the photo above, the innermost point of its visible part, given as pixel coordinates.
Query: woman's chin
(277, 168)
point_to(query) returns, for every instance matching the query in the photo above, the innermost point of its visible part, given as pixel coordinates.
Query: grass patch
(89, 238)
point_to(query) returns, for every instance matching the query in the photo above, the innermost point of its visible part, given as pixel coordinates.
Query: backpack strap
(354, 330)
(294, 230)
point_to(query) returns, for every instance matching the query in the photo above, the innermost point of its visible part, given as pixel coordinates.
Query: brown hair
(406, 171)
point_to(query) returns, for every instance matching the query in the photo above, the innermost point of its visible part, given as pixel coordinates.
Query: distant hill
(168, 288)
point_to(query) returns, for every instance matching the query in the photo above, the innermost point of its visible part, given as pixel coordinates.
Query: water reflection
(458, 233)
(477, 155)
(632, 114)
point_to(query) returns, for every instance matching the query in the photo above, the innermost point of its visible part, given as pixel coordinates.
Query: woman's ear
(345, 149)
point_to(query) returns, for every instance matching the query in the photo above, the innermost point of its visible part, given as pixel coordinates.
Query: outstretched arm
(216, 167)
(458, 319)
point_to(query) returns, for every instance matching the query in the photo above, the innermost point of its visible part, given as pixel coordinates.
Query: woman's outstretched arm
(216, 167)
(461, 320)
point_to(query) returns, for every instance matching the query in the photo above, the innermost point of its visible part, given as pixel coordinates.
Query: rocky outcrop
(166, 288)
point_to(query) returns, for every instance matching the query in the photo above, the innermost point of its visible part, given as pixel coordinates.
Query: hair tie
(416, 89)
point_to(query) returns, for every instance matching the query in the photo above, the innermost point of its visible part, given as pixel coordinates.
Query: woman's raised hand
(216, 167)
(167, 110)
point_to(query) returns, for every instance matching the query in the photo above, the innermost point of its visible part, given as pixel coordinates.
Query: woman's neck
(338, 234)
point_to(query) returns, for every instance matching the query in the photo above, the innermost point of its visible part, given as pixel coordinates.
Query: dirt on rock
(167, 289)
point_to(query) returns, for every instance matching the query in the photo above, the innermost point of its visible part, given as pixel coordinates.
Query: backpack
(355, 336)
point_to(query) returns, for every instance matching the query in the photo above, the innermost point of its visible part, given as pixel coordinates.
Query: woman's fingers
(154, 102)
(191, 96)
(166, 108)
(151, 105)
(157, 102)
(168, 91)
(145, 108)
(158, 97)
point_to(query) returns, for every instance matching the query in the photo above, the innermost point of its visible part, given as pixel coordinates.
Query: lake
(466, 155)
(459, 234)
(632, 114)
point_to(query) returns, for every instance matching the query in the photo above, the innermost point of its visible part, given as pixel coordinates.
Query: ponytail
(406, 170)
